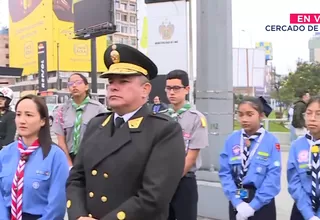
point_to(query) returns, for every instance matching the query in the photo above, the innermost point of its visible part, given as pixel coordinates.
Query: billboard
(168, 35)
(35, 21)
(42, 66)
(267, 46)
(249, 68)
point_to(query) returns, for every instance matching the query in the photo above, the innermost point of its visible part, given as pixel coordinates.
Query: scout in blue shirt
(33, 171)
(303, 172)
(250, 170)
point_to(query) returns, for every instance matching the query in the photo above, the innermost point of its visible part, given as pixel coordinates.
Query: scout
(250, 166)
(71, 119)
(195, 134)
(130, 160)
(303, 172)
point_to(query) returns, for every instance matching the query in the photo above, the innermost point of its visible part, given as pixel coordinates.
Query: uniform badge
(248, 143)
(259, 169)
(236, 150)
(276, 163)
(203, 122)
(135, 123)
(115, 56)
(278, 146)
(315, 149)
(35, 185)
(303, 156)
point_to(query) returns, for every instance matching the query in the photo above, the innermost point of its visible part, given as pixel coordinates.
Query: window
(133, 30)
(118, 28)
(134, 41)
(124, 29)
(6, 45)
(7, 56)
(133, 19)
(118, 16)
(124, 18)
(117, 4)
(132, 7)
(123, 6)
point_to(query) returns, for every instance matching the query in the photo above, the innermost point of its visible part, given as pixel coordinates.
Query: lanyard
(255, 148)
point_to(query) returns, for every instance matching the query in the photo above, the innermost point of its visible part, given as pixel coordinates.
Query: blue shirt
(44, 190)
(264, 171)
(299, 181)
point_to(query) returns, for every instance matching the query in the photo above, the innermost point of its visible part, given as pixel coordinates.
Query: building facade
(4, 55)
(314, 48)
(126, 21)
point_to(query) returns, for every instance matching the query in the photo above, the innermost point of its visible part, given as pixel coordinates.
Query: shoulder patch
(203, 121)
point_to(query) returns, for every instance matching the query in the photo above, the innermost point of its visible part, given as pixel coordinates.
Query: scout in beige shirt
(71, 119)
(195, 133)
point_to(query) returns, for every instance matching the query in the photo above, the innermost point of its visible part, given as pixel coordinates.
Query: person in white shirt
(293, 135)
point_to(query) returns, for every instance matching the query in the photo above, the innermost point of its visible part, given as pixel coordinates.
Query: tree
(305, 78)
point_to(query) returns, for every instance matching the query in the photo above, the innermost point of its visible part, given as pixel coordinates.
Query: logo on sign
(166, 30)
(42, 72)
(80, 49)
(28, 49)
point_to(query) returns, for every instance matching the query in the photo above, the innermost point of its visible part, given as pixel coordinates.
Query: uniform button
(104, 199)
(91, 194)
(105, 175)
(68, 204)
(121, 215)
(90, 215)
(94, 172)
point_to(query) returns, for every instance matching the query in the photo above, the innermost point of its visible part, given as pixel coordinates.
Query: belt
(190, 174)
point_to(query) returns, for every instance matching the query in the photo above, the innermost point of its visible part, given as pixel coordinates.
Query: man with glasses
(195, 134)
(130, 160)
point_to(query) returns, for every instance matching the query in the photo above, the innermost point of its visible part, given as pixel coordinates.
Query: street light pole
(94, 80)
(58, 67)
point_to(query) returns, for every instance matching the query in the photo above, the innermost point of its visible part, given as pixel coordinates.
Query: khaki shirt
(65, 116)
(195, 132)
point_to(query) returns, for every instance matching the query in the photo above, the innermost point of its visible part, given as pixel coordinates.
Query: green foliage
(306, 77)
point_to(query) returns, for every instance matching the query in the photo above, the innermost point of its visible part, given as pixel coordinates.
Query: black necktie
(119, 122)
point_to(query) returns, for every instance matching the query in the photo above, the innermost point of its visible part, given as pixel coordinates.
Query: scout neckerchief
(18, 180)
(175, 115)
(77, 124)
(246, 153)
(314, 166)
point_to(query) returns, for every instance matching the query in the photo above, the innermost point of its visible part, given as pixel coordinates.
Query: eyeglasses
(77, 83)
(312, 115)
(174, 88)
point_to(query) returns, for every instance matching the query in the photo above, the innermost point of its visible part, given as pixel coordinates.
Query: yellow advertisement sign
(30, 23)
(33, 21)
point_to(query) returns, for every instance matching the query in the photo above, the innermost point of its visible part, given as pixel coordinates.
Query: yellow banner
(32, 21)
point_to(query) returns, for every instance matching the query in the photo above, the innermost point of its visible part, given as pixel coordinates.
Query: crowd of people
(137, 162)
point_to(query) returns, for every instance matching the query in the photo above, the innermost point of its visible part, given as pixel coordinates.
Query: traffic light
(158, 1)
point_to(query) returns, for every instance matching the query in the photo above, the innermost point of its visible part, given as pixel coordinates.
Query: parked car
(51, 109)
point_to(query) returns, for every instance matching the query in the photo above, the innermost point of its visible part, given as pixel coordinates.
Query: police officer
(250, 169)
(130, 160)
(71, 119)
(7, 117)
(195, 134)
(303, 172)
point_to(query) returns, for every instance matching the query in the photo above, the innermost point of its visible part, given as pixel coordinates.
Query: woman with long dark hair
(71, 119)
(33, 170)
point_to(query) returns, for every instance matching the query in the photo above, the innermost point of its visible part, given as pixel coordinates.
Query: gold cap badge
(115, 56)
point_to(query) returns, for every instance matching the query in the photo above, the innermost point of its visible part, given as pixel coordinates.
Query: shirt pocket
(40, 181)
(6, 178)
(259, 171)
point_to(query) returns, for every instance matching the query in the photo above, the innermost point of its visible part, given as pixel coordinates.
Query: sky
(249, 19)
